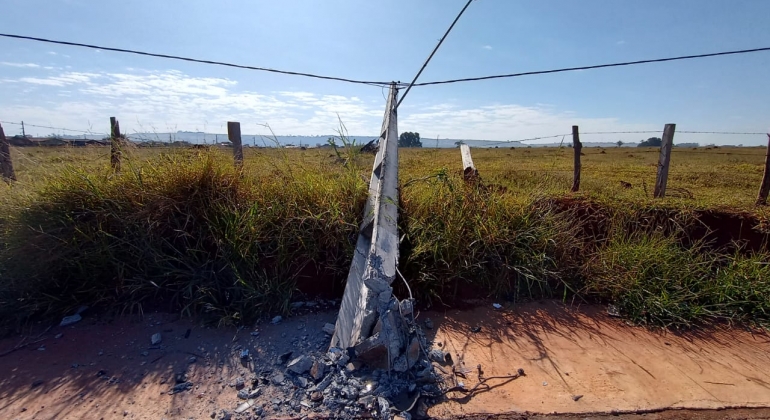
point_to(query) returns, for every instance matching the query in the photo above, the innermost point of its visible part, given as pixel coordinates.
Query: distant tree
(651, 142)
(619, 143)
(459, 143)
(409, 139)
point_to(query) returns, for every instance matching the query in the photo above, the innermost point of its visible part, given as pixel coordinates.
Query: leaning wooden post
(578, 147)
(115, 139)
(665, 159)
(6, 165)
(234, 134)
(469, 169)
(765, 187)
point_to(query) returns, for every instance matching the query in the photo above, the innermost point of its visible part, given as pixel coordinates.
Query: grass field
(183, 230)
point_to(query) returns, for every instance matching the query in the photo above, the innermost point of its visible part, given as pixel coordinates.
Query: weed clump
(186, 231)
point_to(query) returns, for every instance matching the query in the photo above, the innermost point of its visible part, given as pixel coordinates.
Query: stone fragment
(317, 370)
(243, 407)
(277, 319)
(243, 394)
(428, 324)
(155, 339)
(300, 365)
(329, 329)
(69, 320)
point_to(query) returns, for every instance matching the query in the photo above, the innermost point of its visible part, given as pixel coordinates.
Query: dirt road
(577, 361)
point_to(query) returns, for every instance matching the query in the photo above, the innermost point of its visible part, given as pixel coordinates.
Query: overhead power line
(597, 66)
(194, 60)
(440, 41)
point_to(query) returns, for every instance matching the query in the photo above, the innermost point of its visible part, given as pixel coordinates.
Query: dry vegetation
(183, 230)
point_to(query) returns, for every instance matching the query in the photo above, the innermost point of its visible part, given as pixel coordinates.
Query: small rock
(613, 311)
(258, 411)
(476, 329)
(243, 407)
(278, 379)
(497, 306)
(284, 358)
(353, 366)
(239, 383)
(58, 336)
(244, 354)
(277, 319)
(329, 329)
(296, 305)
(180, 378)
(41, 348)
(576, 397)
(276, 401)
(302, 381)
(545, 383)
(384, 406)
(37, 383)
(439, 356)
(428, 324)
(334, 354)
(181, 387)
(317, 370)
(144, 353)
(406, 307)
(255, 393)
(69, 320)
(192, 360)
(316, 396)
(226, 415)
(520, 372)
(300, 365)
(155, 339)
(255, 333)
(243, 394)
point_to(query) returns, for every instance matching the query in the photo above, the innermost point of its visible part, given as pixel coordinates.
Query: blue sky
(388, 40)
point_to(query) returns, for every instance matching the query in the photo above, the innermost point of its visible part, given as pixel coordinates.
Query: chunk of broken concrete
(300, 365)
(317, 370)
(69, 320)
(245, 406)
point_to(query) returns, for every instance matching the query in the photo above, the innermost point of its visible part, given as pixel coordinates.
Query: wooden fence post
(6, 165)
(578, 148)
(234, 135)
(469, 169)
(115, 139)
(665, 159)
(765, 187)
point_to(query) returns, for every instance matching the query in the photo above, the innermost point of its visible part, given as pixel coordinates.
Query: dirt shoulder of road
(577, 362)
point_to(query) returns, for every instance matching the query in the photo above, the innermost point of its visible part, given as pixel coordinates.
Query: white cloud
(487, 47)
(159, 101)
(20, 65)
(506, 122)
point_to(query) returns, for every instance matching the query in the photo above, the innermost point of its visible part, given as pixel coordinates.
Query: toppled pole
(470, 172)
(369, 320)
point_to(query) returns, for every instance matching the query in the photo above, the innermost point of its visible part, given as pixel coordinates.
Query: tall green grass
(187, 231)
(184, 231)
(655, 280)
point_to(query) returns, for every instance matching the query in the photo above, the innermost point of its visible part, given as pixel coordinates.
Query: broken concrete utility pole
(370, 320)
